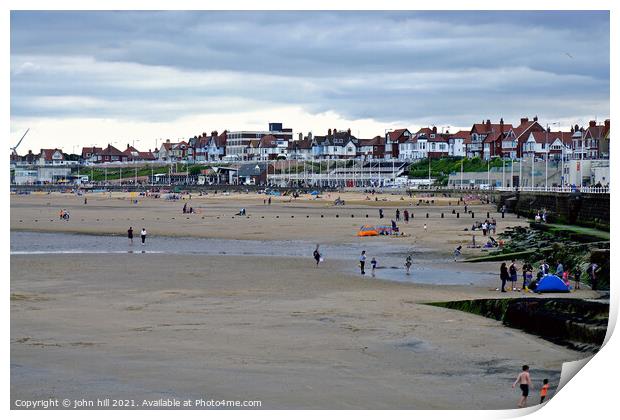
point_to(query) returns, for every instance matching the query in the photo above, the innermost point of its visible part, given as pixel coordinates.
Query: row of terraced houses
(485, 140)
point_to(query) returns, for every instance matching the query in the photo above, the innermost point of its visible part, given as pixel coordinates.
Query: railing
(568, 189)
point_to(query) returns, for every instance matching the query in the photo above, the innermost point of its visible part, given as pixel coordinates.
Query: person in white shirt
(143, 235)
(363, 261)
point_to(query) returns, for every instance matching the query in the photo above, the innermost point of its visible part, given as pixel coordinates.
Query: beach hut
(552, 284)
(367, 230)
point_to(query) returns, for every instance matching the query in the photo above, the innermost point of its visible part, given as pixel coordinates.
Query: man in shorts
(524, 381)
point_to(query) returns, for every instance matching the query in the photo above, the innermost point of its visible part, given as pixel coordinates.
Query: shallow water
(390, 257)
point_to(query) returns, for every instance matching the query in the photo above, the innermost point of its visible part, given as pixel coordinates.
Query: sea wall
(576, 323)
(585, 209)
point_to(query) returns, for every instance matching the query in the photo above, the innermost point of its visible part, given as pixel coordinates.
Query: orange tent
(367, 230)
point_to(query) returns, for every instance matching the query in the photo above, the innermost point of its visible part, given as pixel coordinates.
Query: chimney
(329, 132)
(524, 120)
(167, 140)
(607, 125)
(501, 125)
(434, 130)
(572, 129)
(592, 123)
(300, 137)
(535, 118)
(348, 131)
(488, 125)
(128, 145)
(548, 129)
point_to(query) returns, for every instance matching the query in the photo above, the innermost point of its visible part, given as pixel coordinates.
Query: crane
(14, 148)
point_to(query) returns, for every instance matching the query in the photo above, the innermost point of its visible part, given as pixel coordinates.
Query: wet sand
(277, 330)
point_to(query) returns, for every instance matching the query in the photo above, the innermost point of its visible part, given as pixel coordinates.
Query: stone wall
(576, 208)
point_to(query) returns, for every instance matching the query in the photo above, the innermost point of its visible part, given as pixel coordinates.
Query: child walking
(543, 390)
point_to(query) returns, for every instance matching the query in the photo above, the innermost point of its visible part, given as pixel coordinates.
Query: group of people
(405, 215)
(541, 217)
(318, 258)
(130, 235)
(373, 263)
(487, 227)
(64, 214)
(510, 274)
(187, 210)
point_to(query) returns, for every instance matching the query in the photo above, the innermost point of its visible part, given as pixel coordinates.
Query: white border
(591, 394)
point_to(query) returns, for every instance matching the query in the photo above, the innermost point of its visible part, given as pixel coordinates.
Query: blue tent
(551, 283)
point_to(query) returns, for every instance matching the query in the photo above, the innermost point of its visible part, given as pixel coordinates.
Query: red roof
(483, 128)
(493, 136)
(179, 145)
(131, 151)
(375, 141)
(220, 141)
(48, 153)
(463, 134)
(304, 144)
(268, 141)
(146, 155)
(525, 126)
(396, 134)
(543, 137)
(111, 151)
(596, 132)
(167, 145)
(91, 150)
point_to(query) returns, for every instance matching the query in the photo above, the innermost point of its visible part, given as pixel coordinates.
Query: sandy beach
(275, 329)
(285, 218)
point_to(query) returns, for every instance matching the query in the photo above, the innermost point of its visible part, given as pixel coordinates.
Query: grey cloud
(389, 66)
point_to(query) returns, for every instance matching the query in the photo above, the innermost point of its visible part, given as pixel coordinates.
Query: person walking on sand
(424, 227)
(503, 276)
(317, 255)
(524, 381)
(130, 235)
(406, 216)
(380, 213)
(408, 262)
(362, 262)
(457, 252)
(544, 390)
(269, 201)
(373, 265)
(397, 215)
(143, 235)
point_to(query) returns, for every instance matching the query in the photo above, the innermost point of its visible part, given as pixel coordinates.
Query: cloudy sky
(83, 78)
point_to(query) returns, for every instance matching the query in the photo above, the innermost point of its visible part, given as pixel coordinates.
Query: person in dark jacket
(503, 275)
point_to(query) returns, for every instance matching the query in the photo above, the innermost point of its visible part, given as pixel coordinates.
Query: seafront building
(528, 142)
